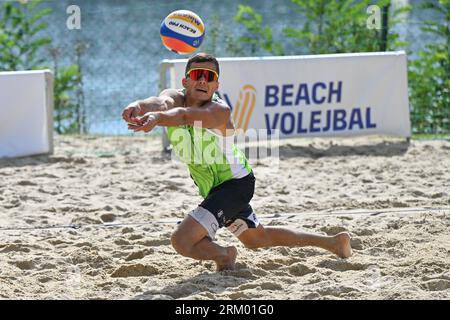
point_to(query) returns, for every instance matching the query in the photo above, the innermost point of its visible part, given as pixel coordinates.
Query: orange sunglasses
(196, 74)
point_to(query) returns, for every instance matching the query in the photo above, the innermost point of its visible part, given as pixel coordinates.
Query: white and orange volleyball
(182, 31)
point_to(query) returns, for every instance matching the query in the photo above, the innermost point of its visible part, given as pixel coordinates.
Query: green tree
(331, 26)
(210, 45)
(338, 26)
(80, 49)
(67, 80)
(258, 36)
(230, 46)
(20, 44)
(429, 75)
(20, 24)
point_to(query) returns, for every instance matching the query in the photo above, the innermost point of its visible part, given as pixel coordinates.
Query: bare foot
(342, 245)
(229, 262)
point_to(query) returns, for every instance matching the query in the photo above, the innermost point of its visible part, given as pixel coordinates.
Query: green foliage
(19, 41)
(230, 46)
(331, 26)
(338, 26)
(428, 136)
(210, 45)
(20, 44)
(67, 80)
(258, 36)
(429, 75)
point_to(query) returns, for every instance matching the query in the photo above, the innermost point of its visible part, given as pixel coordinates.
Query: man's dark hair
(202, 57)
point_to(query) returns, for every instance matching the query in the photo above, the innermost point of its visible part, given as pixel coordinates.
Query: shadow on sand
(38, 160)
(207, 284)
(382, 149)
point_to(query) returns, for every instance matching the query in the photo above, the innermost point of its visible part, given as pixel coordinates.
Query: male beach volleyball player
(227, 185)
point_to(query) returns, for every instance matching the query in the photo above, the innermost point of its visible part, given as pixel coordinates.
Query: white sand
(394, 199)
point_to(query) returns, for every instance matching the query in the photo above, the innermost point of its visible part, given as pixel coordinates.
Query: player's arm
(211, 115)
(167, 99)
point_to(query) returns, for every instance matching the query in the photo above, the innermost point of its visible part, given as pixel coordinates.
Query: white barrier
(314, 96)
(26, 113)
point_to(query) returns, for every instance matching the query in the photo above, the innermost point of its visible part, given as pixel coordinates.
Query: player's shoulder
(175, 96)
(173, 93)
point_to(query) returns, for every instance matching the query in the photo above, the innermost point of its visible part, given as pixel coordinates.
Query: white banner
(322, 95)
(26, 113)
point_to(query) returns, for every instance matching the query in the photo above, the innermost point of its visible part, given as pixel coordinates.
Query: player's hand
(131, 113)
(145, 123)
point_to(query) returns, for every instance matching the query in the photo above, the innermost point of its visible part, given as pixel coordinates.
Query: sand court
(94, 221)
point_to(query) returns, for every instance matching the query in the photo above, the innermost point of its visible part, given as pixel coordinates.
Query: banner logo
(243, 109)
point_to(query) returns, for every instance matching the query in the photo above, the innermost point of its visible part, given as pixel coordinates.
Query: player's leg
(261, 236)
(192, 239)
(194, 236)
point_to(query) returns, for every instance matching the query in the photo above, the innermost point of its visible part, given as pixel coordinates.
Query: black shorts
(229, 205)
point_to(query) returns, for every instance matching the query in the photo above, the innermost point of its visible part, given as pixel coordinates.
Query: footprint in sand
(181, 290)
(56, 242)
(271, 286)
(356, 244)
(85, 220)
(270, 265)
(239, 295)
(44, 279)
(26, 183)
(24, 265)
(122, 242)
(14, 248)
(399, 204)
(108, 217)
(332, 230)
(14, 203)
(90, 257)
(108, 208)
(121, 208)
(135, 237)
(155, 242)
(438, 195)
(127, 230)
(247, 286)
(341, 265)
(50, 192)
(46, 175)
(83, 244)
(417, 193)
(364, 232)
(312, 296)
(436, 285)
(283, 251)
(240, 273)
(139, 254)
(299, 269)
(48, 266)
(337, 291)
(259, 272)
(135, 270)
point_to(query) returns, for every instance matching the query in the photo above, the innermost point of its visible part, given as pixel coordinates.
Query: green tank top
(211, 158)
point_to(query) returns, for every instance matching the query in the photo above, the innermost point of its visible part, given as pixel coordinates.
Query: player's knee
(257, 240)
(178, 244)
(252, 243)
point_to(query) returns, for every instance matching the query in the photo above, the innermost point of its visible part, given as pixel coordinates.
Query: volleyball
(182, 31)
